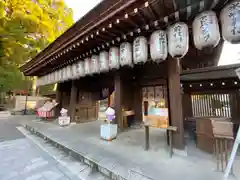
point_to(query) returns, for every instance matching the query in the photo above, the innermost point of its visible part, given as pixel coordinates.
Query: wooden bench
(170, 129)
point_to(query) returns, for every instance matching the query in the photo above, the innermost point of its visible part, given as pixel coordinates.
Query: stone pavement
(124, 158)
(22, 160)
(24, 156)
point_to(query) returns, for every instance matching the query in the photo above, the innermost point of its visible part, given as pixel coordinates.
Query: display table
(108, 132)
(64, 120)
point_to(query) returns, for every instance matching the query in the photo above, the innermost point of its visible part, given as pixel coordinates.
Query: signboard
(157, 117)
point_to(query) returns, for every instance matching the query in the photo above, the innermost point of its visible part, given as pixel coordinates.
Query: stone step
(5, 114)
(77, 169)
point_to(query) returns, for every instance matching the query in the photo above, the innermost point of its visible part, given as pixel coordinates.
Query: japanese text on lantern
(178, 35)
(137, 48)
(205, 21)
(162, 42)
(234, 14)
(122, 50)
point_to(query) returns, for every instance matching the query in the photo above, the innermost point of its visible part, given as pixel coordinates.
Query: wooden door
(86, 108)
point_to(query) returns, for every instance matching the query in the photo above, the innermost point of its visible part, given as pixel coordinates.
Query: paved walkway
(126, 157)
(22, 160)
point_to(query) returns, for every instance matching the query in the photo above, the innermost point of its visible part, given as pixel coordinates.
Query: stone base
(180, 152)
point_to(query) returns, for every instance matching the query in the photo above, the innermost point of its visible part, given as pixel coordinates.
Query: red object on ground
(45, 114)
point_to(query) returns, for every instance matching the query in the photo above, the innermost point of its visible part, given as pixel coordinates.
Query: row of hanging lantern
(175, 41)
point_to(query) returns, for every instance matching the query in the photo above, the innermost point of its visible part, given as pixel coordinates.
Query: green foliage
(27, 27)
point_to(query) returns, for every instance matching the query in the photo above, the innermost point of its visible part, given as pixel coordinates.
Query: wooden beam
(121, 5)
(73, 100)
(175, 102)
(153, 12)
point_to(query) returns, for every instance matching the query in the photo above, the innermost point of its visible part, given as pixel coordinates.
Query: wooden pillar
(118, 100)
(175, 102)
(73, 100)
(58, 99)
(58, 93)
(138, 104)
(234, 105)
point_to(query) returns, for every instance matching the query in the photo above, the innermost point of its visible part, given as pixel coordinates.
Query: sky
(230, 53)
(81, 7)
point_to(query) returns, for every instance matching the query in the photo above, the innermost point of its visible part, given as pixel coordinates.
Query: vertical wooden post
(147, 139)
(58, 93)
(175, 102)
(58, 99)
(73, 100)
(137, 104)
(118, 100)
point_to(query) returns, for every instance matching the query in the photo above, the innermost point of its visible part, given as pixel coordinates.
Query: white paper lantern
(104, 61)
(230, 20)
(68, 72)
(206, 30)
(54, 77)
(126, 54)
(87, 66)
(140, 50)
(178, 40)
(44, 80)
(114, 58)
(47, 79)
(95, 64)
(61, 75)
(50, 78)
(64, 73)
(158, 46)
(74, 70)
(80, 69)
